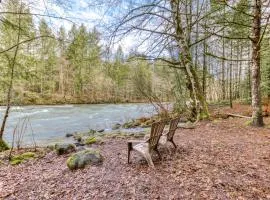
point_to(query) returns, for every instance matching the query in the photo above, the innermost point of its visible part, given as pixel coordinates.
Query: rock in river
(116, 126)
(69, 135)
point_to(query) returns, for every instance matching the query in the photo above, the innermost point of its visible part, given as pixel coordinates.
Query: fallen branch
(241, 116)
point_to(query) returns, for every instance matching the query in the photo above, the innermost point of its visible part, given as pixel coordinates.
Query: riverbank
(220, 159)
(34, 99)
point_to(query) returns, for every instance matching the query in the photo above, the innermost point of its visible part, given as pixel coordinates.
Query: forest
(206, 62)
(70, 66)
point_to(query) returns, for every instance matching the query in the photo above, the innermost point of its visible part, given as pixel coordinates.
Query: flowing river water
(49, 124)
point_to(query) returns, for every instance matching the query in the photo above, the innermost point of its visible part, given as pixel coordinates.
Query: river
(49, 124)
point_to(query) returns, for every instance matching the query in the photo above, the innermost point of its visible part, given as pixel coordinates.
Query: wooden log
(236, 115)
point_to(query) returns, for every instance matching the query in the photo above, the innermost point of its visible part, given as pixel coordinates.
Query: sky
(77, 11)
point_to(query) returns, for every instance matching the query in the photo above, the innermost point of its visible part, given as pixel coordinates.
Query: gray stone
(80, 148)
(64, 148)
(116, 126)
(69, 135)
(78, 144)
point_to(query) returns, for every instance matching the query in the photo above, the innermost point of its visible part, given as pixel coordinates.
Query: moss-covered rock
(64, 148)
(116, 126)
(90, 140)
(83, 158)
(17, 159)
(3, 145)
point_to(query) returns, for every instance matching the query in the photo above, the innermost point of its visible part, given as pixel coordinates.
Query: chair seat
(136, 141)
(163, 139)
(149, 144)
(142, 147)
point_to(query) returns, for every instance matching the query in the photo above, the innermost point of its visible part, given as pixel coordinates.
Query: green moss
(28, 155)
(204, 115)
(3, 145)
(72, 162)
(248, 123)
(15, 160)
(91, 140)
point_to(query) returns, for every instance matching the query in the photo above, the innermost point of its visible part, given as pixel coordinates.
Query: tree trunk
(240, 73)
(230, 78)
(10, 86)
(223, 62)
(249, 74)
(186, 60)
(204, 68)
(257, 119)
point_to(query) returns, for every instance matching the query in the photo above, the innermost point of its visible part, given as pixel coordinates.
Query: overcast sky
(77, 11)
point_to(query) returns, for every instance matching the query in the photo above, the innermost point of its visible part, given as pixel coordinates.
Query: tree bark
(257, 118)
(230, 79)
(204, 68)
(223, 62)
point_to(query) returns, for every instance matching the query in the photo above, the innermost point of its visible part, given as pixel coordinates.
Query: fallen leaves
(224, 160)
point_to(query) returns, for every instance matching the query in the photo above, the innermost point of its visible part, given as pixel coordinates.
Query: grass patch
(18, 159)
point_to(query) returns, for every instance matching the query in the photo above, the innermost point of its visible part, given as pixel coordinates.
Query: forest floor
(219, 159)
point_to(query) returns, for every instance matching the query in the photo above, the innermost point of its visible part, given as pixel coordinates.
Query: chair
(169, 135)
(147, 147)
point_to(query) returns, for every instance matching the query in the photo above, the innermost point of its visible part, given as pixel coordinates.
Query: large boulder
(64, 148)
(83, 158)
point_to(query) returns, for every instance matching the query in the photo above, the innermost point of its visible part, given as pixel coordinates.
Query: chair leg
(173, 144)
(159, 155)
(129, 150)
(149, 159)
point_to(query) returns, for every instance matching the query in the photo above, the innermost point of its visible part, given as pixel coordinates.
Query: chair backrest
(156, 132)
(173, 127)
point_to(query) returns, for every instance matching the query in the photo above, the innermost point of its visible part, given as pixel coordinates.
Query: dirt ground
(219, 159)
